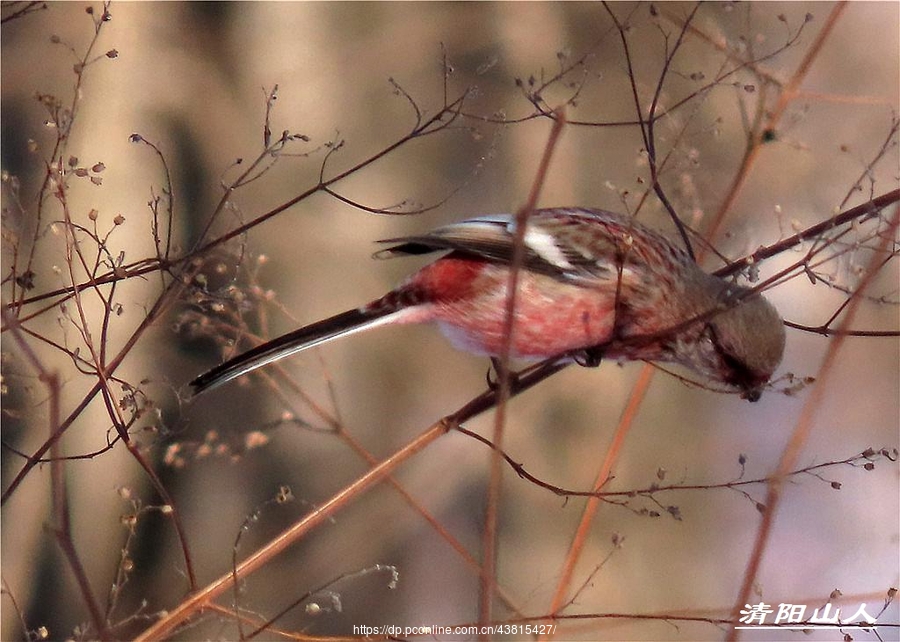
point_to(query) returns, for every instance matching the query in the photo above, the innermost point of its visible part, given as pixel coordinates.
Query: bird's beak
(751, 394)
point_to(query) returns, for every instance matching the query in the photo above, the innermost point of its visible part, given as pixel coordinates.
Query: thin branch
(801, 434)
(176, 617)
(589, 514)
(61, 529)
(757, 139)
(489, 538)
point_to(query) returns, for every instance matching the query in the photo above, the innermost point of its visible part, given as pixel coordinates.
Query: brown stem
(197, 601)
(802, 431)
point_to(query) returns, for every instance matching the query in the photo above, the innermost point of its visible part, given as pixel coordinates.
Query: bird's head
(747, 344)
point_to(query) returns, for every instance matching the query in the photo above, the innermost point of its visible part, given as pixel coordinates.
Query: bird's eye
(736, 371)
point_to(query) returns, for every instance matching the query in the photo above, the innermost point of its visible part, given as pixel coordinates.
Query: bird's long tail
(306, 337)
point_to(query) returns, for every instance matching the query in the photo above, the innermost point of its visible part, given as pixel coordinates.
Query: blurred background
(193, 79)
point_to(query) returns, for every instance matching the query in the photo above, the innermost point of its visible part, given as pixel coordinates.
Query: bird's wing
(569, 244)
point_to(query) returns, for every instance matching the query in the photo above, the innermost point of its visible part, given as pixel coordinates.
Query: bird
(592, 285)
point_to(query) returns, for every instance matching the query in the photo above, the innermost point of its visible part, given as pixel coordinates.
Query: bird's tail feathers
(306, 337)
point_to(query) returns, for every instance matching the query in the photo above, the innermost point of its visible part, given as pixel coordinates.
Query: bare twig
(802, 431)
(489, 539)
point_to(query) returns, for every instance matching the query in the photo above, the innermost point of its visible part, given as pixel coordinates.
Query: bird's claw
(494, 384)
(589, 357)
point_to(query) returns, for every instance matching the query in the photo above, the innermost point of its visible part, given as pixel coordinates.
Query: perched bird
(591, 283)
